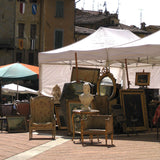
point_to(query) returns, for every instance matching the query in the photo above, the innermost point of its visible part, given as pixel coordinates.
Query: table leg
(73, 127)
(1, 125)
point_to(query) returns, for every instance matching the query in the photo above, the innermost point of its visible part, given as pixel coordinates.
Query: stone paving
(17, 146)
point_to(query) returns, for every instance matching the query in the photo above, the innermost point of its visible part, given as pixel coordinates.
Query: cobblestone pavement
(17, 146)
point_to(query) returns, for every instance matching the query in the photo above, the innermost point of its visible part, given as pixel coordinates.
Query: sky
(131, 12)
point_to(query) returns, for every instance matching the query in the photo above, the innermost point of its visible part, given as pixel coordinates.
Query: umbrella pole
(17, 90)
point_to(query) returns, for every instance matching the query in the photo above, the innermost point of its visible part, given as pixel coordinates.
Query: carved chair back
(99, 122)
(41, 109)
(97, 125)
(42, 115)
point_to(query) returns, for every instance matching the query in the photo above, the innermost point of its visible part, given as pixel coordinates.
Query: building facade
(57, 24)
(30, 26)
(20, 31)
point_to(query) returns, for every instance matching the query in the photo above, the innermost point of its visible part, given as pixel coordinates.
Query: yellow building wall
(52, 23)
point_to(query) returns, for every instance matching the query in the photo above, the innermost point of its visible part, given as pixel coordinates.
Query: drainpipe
(14, 31)
(41, 29)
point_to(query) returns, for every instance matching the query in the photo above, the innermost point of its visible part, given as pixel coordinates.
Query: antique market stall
(56, 65)
(116, 49)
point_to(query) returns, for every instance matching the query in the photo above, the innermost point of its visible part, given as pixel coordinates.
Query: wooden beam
(76, 67)
(128, 82)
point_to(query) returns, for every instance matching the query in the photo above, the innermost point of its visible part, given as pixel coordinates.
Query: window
(58, 39)
(33, 36)
(31, 58)
(33, 1)
(33, 44)
(59, 9)
(21, 30)
(112, 22)
(19, 57)
(33, 31)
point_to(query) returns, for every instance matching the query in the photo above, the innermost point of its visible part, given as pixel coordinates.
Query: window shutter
(59, 9)
(58, 39)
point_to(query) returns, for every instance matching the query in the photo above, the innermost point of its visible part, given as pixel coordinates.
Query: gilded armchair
(96, 125)
(42, 115)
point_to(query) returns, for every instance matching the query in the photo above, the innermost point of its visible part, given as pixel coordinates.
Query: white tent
(92, 48)
(145, 50)
(144, 53)
(91, 51)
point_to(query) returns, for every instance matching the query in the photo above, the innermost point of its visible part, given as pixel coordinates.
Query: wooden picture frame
(142, 78)
(16, 124)
(86, 74)
(71, 105)
(134, 106)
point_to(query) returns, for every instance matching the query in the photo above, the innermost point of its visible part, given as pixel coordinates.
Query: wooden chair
(42, 115)
(97, 125)
(101, 103)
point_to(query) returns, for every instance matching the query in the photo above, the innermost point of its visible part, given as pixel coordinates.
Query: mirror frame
(110, 75)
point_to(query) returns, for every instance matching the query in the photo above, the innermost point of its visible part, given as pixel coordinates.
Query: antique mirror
(106, 85)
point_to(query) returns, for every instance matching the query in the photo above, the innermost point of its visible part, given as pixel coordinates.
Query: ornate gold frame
(133, 102)
(106, 73)
(142, 78)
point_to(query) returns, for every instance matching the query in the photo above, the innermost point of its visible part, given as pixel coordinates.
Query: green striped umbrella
(18, 71)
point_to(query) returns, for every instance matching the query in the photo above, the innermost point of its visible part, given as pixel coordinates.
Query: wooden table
(81, 113)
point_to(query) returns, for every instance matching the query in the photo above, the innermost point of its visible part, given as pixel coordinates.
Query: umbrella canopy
(19, 71)
(12, 88)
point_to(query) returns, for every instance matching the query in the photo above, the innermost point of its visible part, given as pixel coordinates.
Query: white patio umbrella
(12, 88)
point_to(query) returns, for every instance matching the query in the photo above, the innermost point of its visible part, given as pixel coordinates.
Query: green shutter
(59, 9)
(58, 39)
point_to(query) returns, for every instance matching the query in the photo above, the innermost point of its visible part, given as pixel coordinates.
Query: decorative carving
(104, 71)
(56, 92)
